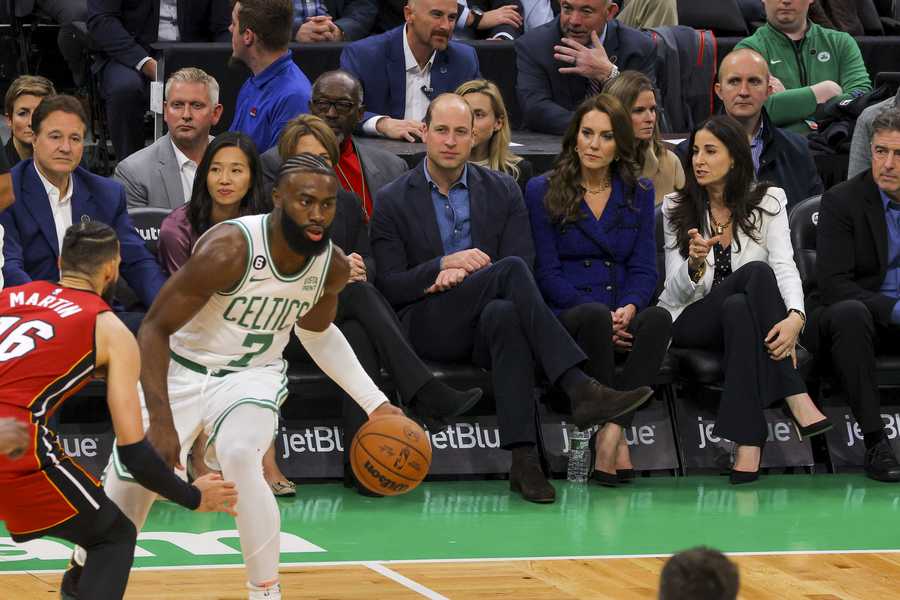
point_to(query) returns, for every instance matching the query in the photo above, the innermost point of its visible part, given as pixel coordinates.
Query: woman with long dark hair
(228, 184)
(592, 218)
(732, 285)
(657, 163)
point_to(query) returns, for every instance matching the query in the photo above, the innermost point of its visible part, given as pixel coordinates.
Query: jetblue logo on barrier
(845, 440)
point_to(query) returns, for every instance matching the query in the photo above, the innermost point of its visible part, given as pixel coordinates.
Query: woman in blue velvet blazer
(592, 220)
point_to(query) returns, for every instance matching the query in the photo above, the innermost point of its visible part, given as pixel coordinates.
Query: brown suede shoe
(595, 404)
(527, 478)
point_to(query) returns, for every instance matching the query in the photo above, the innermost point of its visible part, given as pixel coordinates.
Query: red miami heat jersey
(47, 354)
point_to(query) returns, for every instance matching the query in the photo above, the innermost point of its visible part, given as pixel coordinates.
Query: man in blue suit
(453, 250)
(52, 192)
(570, 58)
(403, 69)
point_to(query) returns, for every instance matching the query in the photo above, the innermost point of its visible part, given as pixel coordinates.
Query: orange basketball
(390, 455)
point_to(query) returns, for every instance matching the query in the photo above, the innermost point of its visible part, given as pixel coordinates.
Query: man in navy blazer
(570, 58)
(124, 31)
(453, 247)
(403, 69)
(53, 192)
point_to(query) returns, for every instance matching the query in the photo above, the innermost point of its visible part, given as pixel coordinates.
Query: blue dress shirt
(269, 100)
(452, 212)
(891, 285)
(756, 146)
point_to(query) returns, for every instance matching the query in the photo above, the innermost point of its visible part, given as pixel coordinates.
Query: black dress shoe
(595, 404)
(881, 464)
(446, 406)
(527, 477)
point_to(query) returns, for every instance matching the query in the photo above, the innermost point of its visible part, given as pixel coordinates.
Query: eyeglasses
(341, 107)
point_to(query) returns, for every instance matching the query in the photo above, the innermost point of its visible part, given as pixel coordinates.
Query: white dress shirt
(188, 170)
(417, 79)
(167, 30)
(61, 207)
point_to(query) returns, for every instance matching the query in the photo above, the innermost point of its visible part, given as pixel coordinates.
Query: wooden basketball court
(824, 537)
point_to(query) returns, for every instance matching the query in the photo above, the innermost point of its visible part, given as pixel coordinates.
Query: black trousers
(127, 95)
(497, 319)
(373, 331)
(108, 537)
(845, 339)
(735, 317)
(591, 326)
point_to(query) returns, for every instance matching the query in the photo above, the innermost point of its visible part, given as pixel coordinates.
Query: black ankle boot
(527, 477)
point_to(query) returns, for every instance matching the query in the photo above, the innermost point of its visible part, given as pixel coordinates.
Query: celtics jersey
(249, 325)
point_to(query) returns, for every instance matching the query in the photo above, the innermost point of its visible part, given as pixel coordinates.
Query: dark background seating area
(496, 58)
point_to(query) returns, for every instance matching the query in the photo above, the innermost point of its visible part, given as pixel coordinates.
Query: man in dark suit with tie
(855, 312)
(52, 192)
(561, 63)
(402, 69)
(124, 31)
(453, 247)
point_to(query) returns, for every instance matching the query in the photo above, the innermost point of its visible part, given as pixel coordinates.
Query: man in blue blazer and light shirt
(52, 192)
(454, 254)
(401, 70)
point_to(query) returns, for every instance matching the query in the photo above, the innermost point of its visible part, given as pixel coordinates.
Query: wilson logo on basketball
(383, 481)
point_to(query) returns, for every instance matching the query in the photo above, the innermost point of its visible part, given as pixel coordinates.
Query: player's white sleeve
(330, 350)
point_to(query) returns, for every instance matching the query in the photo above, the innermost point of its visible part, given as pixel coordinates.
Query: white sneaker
(268, 592)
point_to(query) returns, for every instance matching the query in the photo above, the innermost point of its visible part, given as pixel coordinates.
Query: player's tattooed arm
(322, 314)
(217, 263)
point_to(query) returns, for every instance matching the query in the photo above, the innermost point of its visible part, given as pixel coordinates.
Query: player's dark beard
(295, 236)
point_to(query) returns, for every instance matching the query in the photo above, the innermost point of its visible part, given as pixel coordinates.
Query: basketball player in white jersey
(211, 346)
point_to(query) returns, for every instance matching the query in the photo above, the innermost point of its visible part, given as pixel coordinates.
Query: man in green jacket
(809, 64)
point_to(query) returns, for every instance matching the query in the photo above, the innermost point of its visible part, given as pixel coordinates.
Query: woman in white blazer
(732, 286)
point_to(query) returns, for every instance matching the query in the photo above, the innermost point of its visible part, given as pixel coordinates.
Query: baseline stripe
(413, 561)
(405, 581)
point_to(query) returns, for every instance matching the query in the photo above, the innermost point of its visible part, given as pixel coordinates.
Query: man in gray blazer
(162, 174)
(364, 168)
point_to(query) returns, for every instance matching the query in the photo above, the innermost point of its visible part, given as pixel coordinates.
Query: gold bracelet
(698, 273)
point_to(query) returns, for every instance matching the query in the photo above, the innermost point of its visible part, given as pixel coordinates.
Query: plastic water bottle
(578, 469)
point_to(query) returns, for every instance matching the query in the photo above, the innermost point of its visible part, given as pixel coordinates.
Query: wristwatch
(614, 72)
(477, 13)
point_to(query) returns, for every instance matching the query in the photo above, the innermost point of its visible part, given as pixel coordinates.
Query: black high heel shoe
(740, 477)
(601, 477)
(625, 475)
(810, 430)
